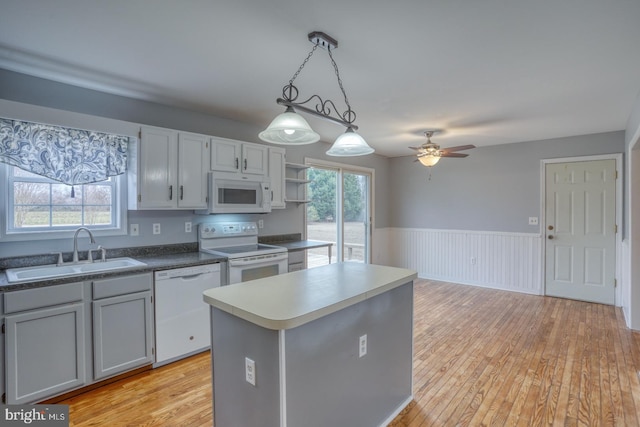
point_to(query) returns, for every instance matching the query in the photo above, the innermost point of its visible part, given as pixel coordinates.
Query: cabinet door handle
(272, 195)
(245, 164)
(171, 192)
(181, 192)
(237, 163)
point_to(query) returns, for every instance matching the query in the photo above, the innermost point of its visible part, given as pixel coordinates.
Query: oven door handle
(257, 260)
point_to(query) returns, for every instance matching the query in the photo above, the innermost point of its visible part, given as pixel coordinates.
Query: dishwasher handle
(188, 273)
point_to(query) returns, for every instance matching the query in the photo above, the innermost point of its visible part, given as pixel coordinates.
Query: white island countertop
(293, 299)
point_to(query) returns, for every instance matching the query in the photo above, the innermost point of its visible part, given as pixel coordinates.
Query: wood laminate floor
(481, 358)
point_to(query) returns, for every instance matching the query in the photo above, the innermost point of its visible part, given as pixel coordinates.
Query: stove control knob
(213, 230)
(206, 229)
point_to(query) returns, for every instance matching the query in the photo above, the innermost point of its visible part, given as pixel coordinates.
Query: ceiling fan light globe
(289, 128)
(429, 160)
(350, 144)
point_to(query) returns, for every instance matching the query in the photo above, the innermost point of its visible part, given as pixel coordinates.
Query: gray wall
(496, 188)
(633, 123)
(40, 92)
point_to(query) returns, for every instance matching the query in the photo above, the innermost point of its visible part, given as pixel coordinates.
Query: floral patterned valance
(71, 156)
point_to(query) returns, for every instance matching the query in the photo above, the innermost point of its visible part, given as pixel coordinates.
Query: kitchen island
(327, 346)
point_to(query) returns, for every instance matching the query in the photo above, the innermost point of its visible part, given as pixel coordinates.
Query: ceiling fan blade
(416, 148)
(458, 148)
(445, 154)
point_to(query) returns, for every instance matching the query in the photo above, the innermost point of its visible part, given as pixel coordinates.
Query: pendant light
(349, 144)
(290, 128)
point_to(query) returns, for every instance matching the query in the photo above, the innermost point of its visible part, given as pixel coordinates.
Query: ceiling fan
(430, 153)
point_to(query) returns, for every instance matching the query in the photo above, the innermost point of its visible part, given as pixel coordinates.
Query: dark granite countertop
(156, 258)
(303, 244)
(293, 242)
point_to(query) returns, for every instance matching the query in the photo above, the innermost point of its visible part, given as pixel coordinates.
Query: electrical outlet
(187, 227)
(362, 345)
(533, 220)
(156, 228)
(250, 371)
(261, 223)
(134, 230)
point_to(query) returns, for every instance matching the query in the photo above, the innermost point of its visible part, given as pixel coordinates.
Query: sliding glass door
(339, 212)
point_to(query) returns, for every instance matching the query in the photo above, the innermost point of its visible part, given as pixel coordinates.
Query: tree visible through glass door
(339, 213)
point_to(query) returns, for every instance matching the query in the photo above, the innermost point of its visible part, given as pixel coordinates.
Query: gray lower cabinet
(2, 350)
(122, 324)
(52, 331)
(44, 342)
(296, 260)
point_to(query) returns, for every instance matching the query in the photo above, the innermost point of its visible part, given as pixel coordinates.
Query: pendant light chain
(303, 63)
(335, 67)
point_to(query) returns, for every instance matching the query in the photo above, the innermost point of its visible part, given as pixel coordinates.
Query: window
(42, 207)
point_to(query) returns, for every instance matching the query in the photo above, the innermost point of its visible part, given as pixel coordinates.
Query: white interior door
(580, 230)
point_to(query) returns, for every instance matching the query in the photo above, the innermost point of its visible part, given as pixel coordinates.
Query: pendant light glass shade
(349, 144)
(289, 128)
(429, 160)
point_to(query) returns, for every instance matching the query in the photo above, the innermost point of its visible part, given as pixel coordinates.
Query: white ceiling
(487, 72)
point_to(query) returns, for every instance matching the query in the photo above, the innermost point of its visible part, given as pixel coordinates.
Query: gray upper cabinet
(122, 324)
(45, 344)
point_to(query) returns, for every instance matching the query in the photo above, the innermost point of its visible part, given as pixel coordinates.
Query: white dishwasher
(182, 324)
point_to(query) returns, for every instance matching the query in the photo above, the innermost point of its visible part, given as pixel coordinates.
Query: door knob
(550, 237)
(550, 227)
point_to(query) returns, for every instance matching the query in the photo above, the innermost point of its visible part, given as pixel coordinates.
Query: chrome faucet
(75, 241)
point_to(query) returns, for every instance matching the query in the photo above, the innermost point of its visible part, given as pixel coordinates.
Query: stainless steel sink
(42, 272)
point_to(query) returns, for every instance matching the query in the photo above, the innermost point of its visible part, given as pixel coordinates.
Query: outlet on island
(156, 228)
(250, 371)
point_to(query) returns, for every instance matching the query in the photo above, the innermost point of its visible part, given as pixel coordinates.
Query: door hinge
(153, 351)
(616, 174)
(3, 328)
(139, 198)
(615, 283)
(151, 299)
(615, 228)
(4, 397)
(140, 134)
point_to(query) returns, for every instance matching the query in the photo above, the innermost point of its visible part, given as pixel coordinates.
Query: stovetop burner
(233, 240)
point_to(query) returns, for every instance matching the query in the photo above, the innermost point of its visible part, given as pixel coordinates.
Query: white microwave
(237, 193)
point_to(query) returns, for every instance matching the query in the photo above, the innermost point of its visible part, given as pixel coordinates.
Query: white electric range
(238, 242)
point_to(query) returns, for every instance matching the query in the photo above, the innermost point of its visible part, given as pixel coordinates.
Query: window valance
(71, 156)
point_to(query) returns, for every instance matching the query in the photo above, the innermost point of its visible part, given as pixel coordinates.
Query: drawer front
(29, 299)
(121, 285)
(296, 267)
(296, 257)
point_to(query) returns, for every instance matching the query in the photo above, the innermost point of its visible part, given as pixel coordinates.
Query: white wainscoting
(499, 260)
